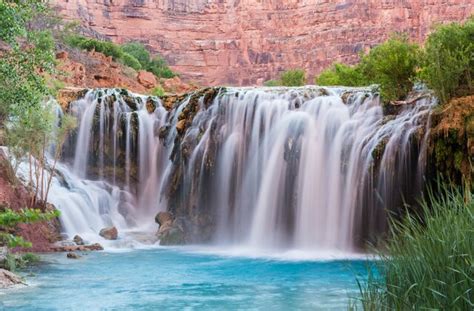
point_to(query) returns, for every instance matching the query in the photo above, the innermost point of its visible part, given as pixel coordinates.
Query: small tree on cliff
(28, 121)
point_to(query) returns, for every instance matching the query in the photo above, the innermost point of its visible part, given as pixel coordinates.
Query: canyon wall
(245, 42)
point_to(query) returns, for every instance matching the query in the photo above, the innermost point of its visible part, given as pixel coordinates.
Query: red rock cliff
(244, 42)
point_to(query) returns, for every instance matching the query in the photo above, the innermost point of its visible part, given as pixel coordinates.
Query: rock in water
(163, 218)
(8, 279)
(170, 233)
(109, 233)
(78, 240)
(73, 256)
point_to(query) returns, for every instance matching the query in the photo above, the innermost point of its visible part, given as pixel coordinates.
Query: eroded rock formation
(243, 42)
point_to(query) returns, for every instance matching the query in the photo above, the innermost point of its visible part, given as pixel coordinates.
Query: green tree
(294, 77)
(393, 65)
(449, 60)
(340, 74)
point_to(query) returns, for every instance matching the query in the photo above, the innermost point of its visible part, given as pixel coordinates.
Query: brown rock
(8, 279)
(180, 126)
(247, 42)
(147, 79)
(72, 256)
(78, 240)
(109, 233)
(62, 55)
(163, 218)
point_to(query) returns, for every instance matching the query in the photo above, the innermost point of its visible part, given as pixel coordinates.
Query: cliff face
(244, 42)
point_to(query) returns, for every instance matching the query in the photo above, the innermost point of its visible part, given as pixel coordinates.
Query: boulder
(8, 279)
(164, 217)
(94, 247)
(147, 79)
(78, 240)
(109, 233)
(169, 233)
(72, 256)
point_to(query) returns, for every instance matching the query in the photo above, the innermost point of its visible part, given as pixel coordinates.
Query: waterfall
(279, 168)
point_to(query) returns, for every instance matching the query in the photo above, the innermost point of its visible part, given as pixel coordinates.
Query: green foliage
(159, 68)
(295, 77)
(14, 16)
(392, 64)
(132, 54)
(449, 60)
(130, 61)
(138, 51)
(272, 83)
(429, 262)
(158, 91)
(9, 219)
(105, 47)
(20, 261)
(340, 74)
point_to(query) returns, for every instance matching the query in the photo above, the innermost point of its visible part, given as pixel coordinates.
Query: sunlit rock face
(245, 42)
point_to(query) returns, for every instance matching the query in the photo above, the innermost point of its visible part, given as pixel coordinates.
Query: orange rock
(147, 79)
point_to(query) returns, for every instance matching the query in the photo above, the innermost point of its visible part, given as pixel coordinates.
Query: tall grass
(428, 263)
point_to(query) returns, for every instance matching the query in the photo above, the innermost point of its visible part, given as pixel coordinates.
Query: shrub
(295, 77)
(392, 64)
(158, 91)
(340, 74)
(159, 68)
(130, 61)
(272, 83)
(138, 51)
(449, 60)
(428, 264)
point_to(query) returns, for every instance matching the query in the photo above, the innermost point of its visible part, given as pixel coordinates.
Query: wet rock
(109, 233)
(78, 240)
(180, 126)
(8, 279)
(163, 218)
(64, 247)
(170, 232)
(73, 256)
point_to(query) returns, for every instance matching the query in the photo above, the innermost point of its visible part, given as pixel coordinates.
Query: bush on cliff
(155, 64)
(428, 263)
(448, 62)
(293, 77)
(392, 64)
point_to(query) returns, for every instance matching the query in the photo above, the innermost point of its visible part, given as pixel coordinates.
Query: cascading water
(307, 168)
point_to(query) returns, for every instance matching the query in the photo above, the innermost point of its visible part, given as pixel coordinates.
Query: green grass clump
(429, 260)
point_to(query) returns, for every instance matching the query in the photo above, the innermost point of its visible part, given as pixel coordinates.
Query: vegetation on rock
(445, 64)
(392, 65)
(295, 77)
(448, 60)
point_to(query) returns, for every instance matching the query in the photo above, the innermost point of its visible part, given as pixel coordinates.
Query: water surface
(179, 279)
